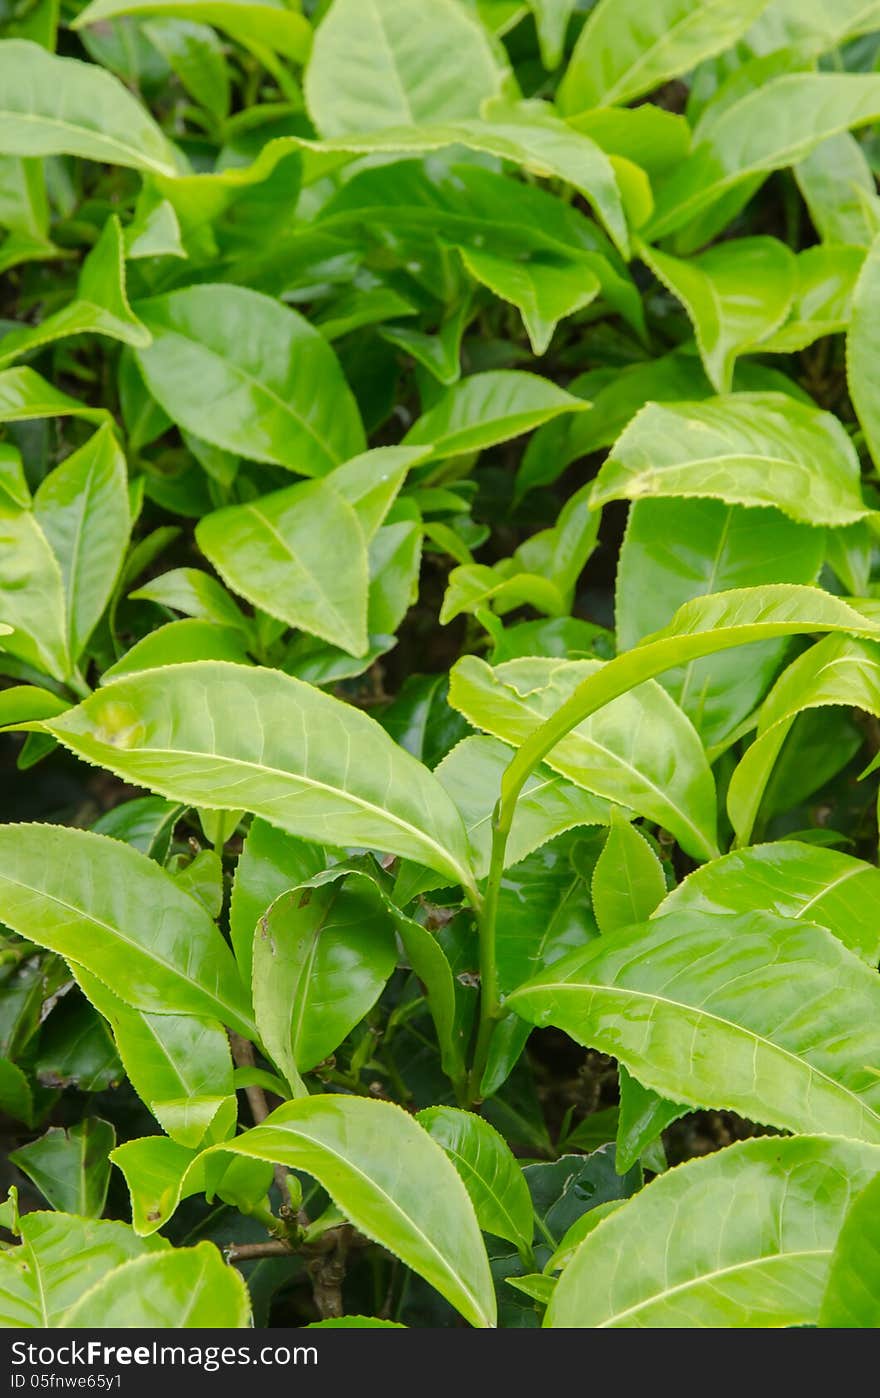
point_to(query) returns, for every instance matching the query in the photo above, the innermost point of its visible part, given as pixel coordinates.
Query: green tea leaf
(99, 308)
(60, 106)
(491, 1176)
(204, 753)
(24, 396)
(379, 63)
(82, 508)
(628, 881)
(188, 1288)
(745, 449)
(32, 598)
(394, 1183)
(776, 124)
(862, 346)
(282, 552)
(196, 593)
(489, 408)
(270, 864)
(544, 291)
(752, 1012)
(71, 1167)
(757, 1249)
(609, 754)
(735, 294)
(837, 670)
(794, 880)
(267, 22)
(60, 1258)
(850, 1300)
(322, 956)
(548, 806)
(678, 549)
(529, 134)
(106, 907)
(270, 387)
(544, 909)
(622, 52)
(179, 1065)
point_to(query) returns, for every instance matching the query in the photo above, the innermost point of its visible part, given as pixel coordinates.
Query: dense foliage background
(441, 656)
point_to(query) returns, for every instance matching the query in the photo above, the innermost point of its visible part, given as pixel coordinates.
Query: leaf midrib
(142, 159)
(705, 1278)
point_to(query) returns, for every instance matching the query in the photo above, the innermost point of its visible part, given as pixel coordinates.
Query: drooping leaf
(757, 1252)
(735, 294)
(543, 291)
(160, 1173)
(837, 670)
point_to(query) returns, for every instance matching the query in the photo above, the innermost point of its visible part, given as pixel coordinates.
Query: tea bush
(441, 640)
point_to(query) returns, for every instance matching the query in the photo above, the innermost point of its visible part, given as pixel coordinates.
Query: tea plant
(441, 640)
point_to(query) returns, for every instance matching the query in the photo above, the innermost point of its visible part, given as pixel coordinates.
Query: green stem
(601, 687)
(490, 995)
